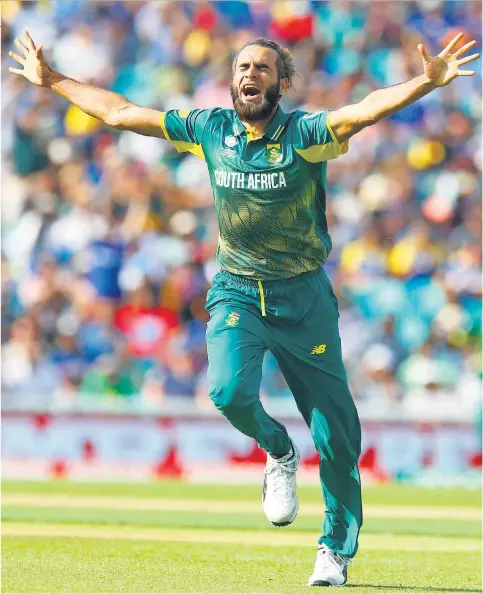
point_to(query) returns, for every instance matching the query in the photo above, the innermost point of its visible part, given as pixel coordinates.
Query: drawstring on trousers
(262, 298)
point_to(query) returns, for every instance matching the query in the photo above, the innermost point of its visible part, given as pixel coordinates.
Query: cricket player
(268, 174)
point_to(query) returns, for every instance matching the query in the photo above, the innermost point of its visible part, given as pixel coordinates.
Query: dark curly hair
(285, 61)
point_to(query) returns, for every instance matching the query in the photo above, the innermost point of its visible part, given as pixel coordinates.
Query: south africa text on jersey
(250, 181)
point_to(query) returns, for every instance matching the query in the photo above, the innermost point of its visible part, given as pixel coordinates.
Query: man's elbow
(114, 120)
(117, 115)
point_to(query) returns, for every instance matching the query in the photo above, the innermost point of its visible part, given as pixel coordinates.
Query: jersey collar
(273, 130)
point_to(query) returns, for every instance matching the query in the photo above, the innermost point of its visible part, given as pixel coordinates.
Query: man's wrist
(427, 84)
(52, 78)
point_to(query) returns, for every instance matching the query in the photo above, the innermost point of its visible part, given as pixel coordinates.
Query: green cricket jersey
(269, 192)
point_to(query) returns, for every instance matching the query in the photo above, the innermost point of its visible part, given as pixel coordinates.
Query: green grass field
(176, 537)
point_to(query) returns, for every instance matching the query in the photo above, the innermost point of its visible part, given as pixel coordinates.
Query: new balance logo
(318, 349)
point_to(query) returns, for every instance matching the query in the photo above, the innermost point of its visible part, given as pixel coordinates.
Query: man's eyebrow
(258, 64)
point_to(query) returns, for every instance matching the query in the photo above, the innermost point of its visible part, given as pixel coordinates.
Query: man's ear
(284, 86)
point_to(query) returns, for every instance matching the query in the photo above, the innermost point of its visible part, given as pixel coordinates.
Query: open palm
(35, 68)
(445, 67)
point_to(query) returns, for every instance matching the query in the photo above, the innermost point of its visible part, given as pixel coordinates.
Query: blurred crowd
(109, 239)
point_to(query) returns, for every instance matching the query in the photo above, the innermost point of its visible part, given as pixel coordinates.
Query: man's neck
(258, 127)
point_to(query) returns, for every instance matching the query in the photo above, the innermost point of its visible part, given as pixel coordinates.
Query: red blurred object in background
(42, 421)
(88, 451)
(206, 19)
(170, 466)
(59, 469)
(145, 327)
(368, 461)
(255, 456)
(294, 29)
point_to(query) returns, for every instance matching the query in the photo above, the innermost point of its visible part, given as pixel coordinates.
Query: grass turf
(411, 526)
(117, 562)
(71, 565)
(391, 494)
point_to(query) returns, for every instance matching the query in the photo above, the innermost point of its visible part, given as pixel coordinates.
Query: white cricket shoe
(330, 568)
(280, 501)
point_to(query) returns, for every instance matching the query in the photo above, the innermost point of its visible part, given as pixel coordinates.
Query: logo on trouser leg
(319, 349)
(232, 319)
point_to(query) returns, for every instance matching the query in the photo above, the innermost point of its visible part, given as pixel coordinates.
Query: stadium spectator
(110, 239)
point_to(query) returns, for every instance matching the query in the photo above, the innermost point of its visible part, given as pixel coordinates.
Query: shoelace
(326, 554)
(278, 471)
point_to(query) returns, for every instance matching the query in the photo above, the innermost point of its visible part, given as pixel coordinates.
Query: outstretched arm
(111, 108)
(439, 71)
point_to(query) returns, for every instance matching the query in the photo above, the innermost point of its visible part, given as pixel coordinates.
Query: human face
(256, 83)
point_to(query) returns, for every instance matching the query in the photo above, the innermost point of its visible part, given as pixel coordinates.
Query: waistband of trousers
(243, 281)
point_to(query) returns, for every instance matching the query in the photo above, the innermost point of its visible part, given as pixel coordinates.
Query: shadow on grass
(415, 589)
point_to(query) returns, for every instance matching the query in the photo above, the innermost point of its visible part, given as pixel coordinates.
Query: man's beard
(254, 112)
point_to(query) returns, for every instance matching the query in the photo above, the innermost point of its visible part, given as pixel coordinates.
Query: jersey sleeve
(184, 129)
(317, 142)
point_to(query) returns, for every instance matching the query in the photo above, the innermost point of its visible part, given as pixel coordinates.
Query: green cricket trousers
(297, 320)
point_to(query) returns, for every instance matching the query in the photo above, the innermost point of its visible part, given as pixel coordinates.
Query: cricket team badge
(273, 154)
(232, 319)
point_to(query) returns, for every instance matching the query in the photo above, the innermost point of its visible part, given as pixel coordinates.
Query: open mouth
(251, 92)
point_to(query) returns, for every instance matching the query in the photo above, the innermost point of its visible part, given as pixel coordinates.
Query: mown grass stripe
(387, 495)
(221, 506)
(276, 538)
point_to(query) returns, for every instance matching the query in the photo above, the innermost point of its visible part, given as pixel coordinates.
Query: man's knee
(229, 394)
(336, 439)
